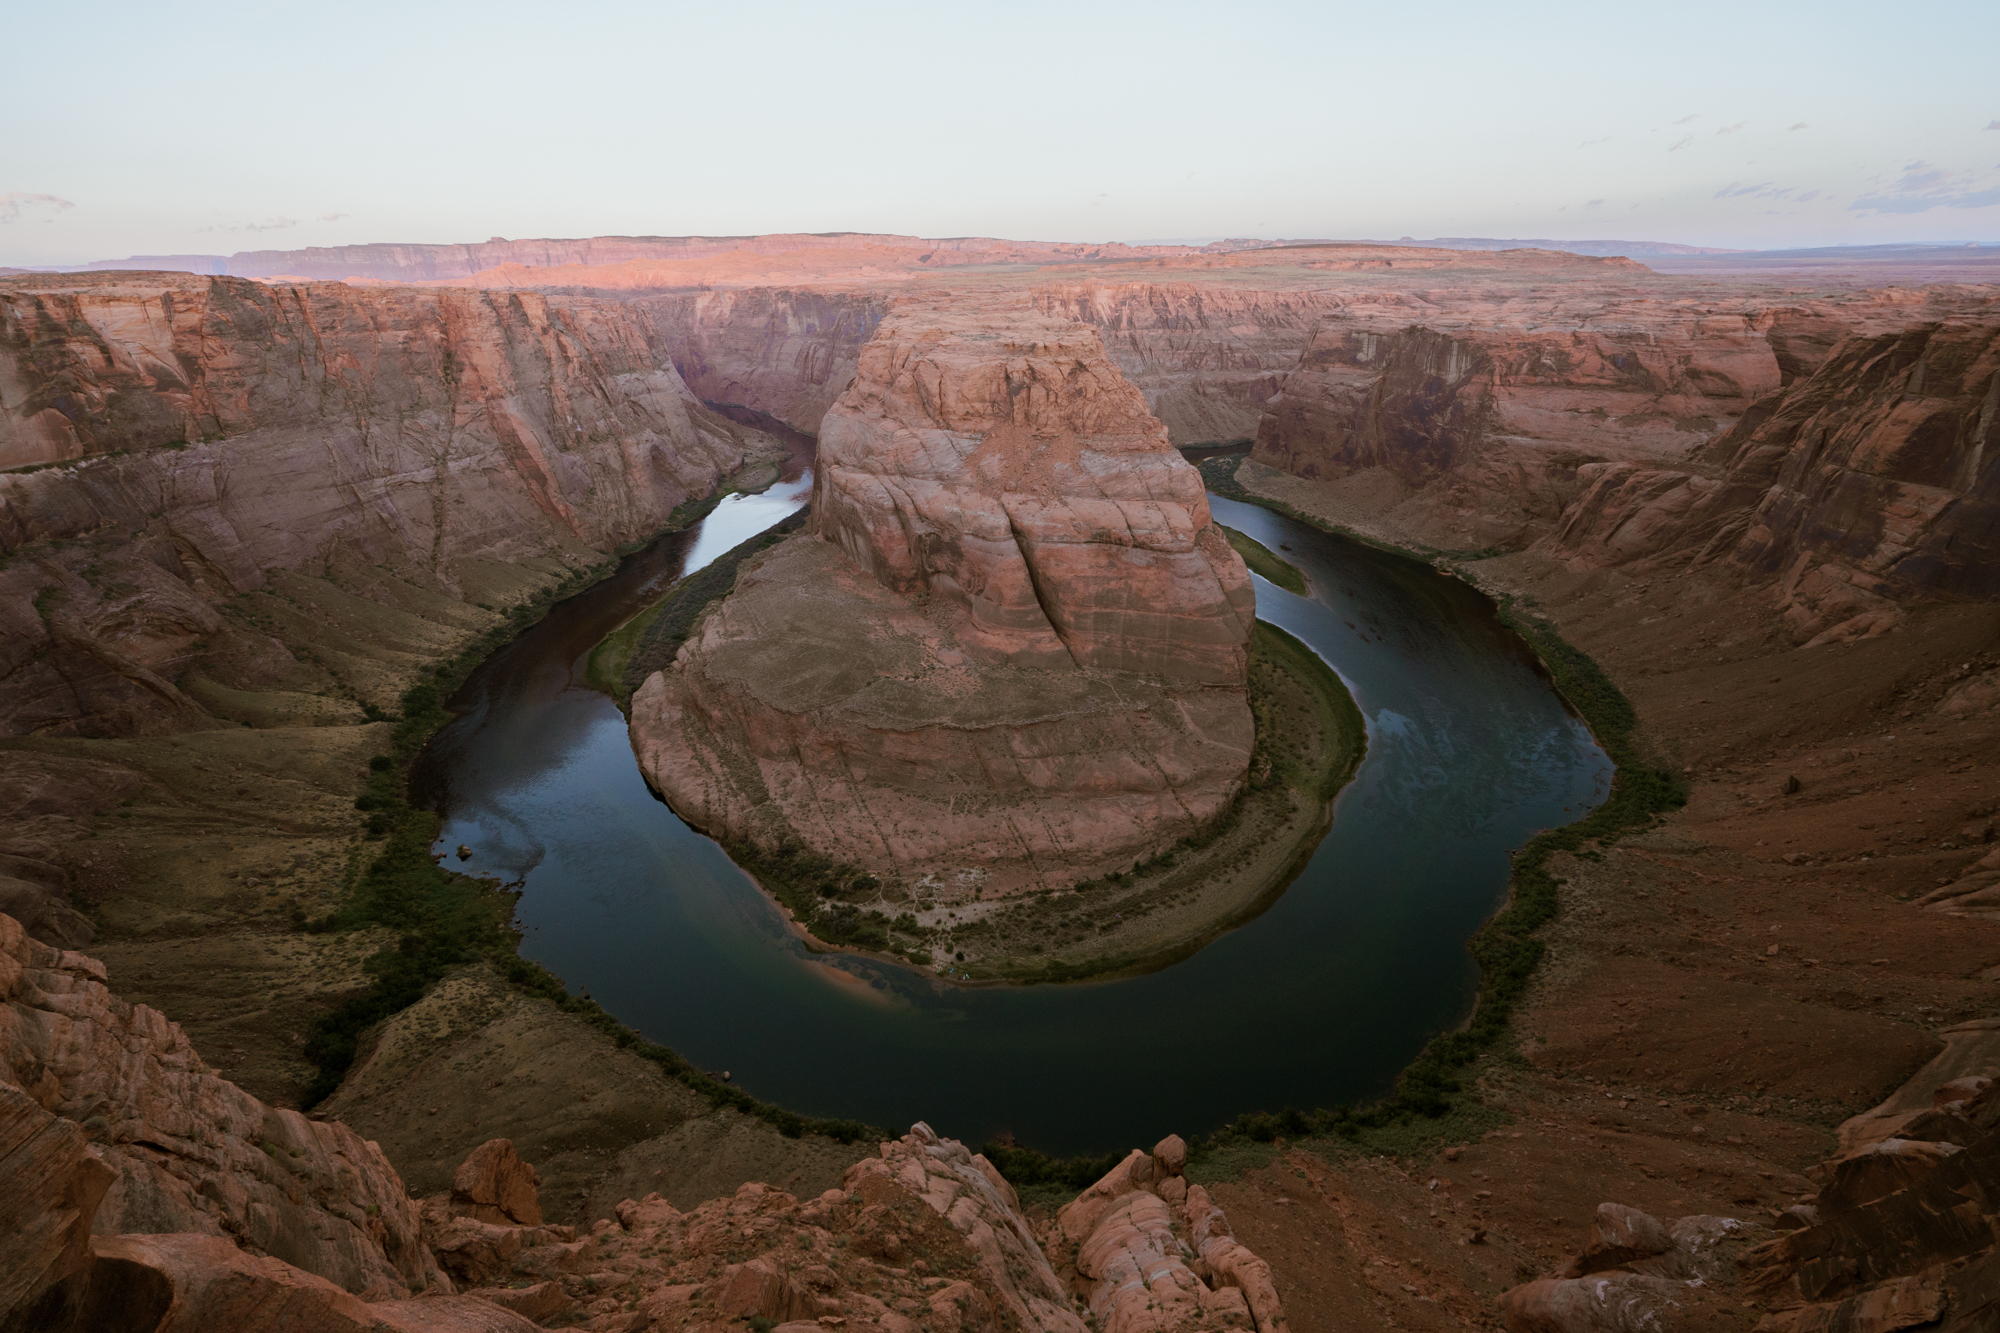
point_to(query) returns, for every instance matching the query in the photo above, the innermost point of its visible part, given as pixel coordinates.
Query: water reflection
(1321, 999)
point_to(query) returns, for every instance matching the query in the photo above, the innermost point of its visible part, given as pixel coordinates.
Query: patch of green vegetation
(1263, 560)
(646, 643)
(1026, 1169)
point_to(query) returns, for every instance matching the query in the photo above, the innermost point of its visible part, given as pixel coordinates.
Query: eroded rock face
(1475, 418)
(1016, 655)
(1005, 464)
(178, 1202)
(222, 430)
(1148, 1252)
(187, 1150)
(495, 1185)
(1485, 416)
(1868, 483)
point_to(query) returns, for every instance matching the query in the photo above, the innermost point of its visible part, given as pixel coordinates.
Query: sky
(212, 126)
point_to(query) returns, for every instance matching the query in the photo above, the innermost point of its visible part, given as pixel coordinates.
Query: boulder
(495, 1185)
(1880, 1169)
(1619, 1235)
(1600, 1303)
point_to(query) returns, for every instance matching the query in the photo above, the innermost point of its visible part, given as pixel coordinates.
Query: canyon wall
(1868, 484)
(1208, 357)
(1012, 654)
(1470, 423)
(197, 434)
(785, 352)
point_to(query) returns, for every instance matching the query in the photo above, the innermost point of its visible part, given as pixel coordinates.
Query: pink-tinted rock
(50, 1185)
(236, 430)
(1079, 1217)
(1232, 1264)
(651, 1211)
(495, 1185)
(1851, 491)
(1017, 660)
(191, 1151)
(192, 1283)
(1619, 1235)
(1002, 463)
(1602, 1303)
(536, 1303)
(1139, 1281)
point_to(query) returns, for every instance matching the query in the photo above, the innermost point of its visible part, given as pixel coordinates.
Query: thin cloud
(1685, 119)
(334, 217)
(15, 202)
(1588, 142)
(1731, 129)
(268, 224)
(1680, 143)
(1995, 125)
(1802, 125)
(1924, 186)
(1593, 203)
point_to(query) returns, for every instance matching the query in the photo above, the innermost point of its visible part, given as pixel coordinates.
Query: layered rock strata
(1469, 419)
(1012, 654)
(216, 432)
(1873, 481)
(1151, 1252)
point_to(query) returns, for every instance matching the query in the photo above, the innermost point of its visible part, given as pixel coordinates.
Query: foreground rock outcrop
(1012, 654)
(1151, 1252)
(140, 1190)
(182, 1149)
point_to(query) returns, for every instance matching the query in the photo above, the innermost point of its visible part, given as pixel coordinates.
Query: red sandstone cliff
(1027, 668)
(1466, 423)
(1867, 484)
(213, 431)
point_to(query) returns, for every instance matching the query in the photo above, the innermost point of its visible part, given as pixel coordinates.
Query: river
(1319, 1000)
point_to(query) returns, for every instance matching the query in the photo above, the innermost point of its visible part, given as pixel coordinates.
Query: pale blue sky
(219, 125)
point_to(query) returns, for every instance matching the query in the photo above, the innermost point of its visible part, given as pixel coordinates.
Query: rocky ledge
(1012, 653)
(138, 1189)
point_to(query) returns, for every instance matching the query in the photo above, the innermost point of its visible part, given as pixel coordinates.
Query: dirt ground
(476, 1060)
(1720, 992)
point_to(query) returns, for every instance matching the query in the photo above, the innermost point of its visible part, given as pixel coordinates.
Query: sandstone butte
(1763, 507)
(1012, 652)
(141, 1190)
